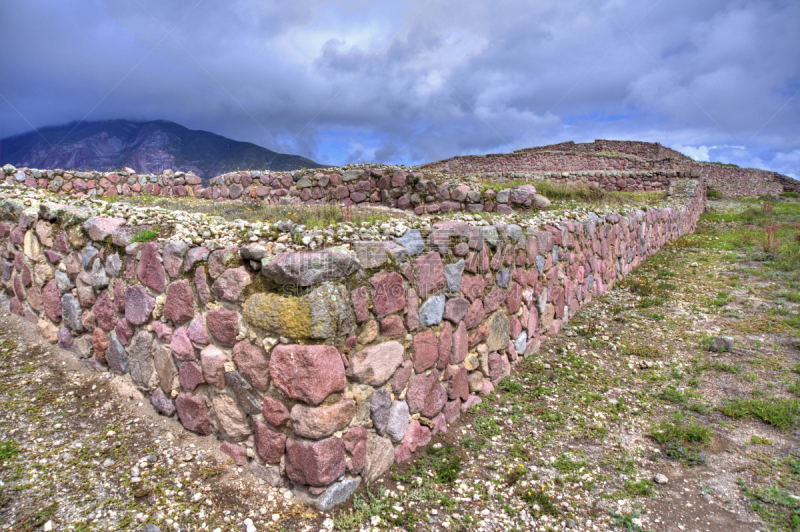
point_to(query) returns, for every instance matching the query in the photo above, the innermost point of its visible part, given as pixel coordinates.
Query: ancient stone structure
(616, 165)
(323, 368)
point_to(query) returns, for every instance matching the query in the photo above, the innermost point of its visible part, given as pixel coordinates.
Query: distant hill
(147, 147)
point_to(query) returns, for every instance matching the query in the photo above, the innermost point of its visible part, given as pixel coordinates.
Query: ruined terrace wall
(318, 369)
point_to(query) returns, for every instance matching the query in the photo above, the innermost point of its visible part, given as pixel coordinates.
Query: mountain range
(147, 147)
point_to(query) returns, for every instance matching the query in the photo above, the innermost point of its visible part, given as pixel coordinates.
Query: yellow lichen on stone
(284, 315)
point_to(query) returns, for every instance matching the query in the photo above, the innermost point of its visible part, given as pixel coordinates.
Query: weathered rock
(48, 331)
(64, 338)
(275, 412)
(193, 256)
(324, 313)
(424, 350)
(140, 358)
(307, 269)
(452, 273)
(412, 311)
(460, 344)
(51, 301)
(219, 260)
(379, 410)
(359, 299)
(252, 364)
(246, 395)
(269, 474)
(174, 252)
(116, 357)
(201, 285)
(138, 305)
(319, 422)
(376, 364)
(426, 395)
(150, 270)
(315, 463)
(456, 309)
(307, 372)
(499, 328)
(190, 376)
(197, 331)
(335, 494)
(165, 367)
(99, 277)
(369, 333)
(223, 324)
(397, 424)
(213, 362)
(100, 227)
(429, 274)
(380, 457)
(231, 284)
(499, 367)
(370, 254)
(412, 241)
(104, 311)
(162, 403)
(193, 413)
(181, 346)
(457, 383)
(389, 295)
(232, 421)
(237, 452)
(179, 306)
(71, 312)
(392, 326)
(430, 313)
(402, 376)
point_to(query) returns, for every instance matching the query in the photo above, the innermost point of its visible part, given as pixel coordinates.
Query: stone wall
(318, 369)
(368, 185)
(641, 165)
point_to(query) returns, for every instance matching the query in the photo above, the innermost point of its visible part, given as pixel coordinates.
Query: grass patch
(443, 463)
(565, 463)
(640, 488)
(541, 502)
(8, 450)
(682, 440)
(780, 413)
(726, 368)
(147, 235)
(486, 427)
(776, 500)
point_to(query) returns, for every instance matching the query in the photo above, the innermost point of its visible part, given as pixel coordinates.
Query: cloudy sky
(408, 82)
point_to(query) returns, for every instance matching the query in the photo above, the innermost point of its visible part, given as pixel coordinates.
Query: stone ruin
(320, 369)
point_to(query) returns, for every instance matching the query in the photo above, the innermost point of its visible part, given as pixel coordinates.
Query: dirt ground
(573, 440)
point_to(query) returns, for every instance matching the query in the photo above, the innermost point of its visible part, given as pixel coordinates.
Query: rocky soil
(623, 422)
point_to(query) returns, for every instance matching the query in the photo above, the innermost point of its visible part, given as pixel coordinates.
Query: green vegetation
(146, 235)
(682, 440)
(780, 413)
(8, 450)
(538, 498)
(775, 499)
(640, 488)
(442, 462)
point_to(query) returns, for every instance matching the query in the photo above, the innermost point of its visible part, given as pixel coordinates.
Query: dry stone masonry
(317, 369)
(359, 185)
(616, 165)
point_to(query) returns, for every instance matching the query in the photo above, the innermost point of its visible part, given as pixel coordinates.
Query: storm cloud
(410, 82)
